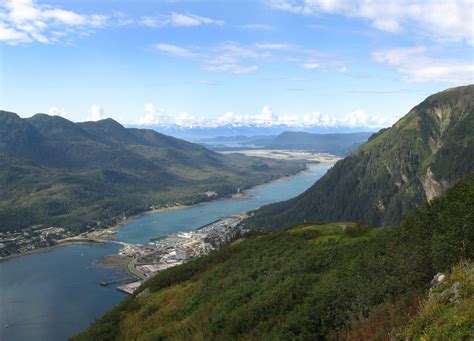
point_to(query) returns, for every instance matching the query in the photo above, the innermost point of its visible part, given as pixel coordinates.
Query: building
(183, 254)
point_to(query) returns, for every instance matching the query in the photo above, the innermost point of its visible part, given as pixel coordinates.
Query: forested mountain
(397, 170)
(314, 282)
(56, 172)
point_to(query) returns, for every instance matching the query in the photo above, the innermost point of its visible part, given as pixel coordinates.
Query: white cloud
(175, 50)
(230, 118)
(184, 119)
(233, 68)
(56, 111)
(13, 36)
(310, 66)
(312, 119)
(275, 46)
(154, 116)
(360, 118)
(229, 57)
(178, 20)
(236, 58)
(416, 65)
(256, 27)
(96, 112)
(447, 20)
(25, 21)
(266, 118)
(353, 119)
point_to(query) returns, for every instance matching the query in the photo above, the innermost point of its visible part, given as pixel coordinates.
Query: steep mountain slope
(79, 175)
(397, 170)
(305, 283)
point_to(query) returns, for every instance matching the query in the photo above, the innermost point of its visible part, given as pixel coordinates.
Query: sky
(209, 63)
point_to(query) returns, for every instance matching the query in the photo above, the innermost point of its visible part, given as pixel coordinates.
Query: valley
(80, 177)
(237, 170)
(285, 154)
(72, 272)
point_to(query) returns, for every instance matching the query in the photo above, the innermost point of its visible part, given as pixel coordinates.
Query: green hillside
(448, 311)
(306, 283)
(77, 175)
(397, 170)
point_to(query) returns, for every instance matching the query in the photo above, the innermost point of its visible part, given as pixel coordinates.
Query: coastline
(44, 249)
(234, 196)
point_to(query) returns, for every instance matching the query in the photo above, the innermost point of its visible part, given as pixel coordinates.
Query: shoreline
(234, 196)
(46, 249)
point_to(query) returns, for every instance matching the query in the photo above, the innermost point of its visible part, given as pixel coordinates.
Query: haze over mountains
(397, 170)
(338, 143)
(200, 132)
(80, 175)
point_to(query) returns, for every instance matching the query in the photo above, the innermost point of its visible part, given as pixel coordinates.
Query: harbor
(61, 295)
(175, 249)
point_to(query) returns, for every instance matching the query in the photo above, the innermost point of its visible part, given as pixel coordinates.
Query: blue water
(188, 219)
(55, 294)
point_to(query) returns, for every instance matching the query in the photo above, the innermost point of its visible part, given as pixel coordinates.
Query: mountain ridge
(397, 170)
(81, 175)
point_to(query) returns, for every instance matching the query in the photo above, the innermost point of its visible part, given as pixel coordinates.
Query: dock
(212, 222)
(129, 288)
(107, 283)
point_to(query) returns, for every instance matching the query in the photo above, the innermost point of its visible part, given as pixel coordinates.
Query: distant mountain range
(80, 175)
(337, 144)
(397, 170)
(200, 132)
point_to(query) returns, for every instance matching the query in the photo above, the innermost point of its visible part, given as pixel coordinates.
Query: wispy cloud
(229, 57)
(310, 66)
(178, 20)
(416, 65)
(25, 21)
(442, 20)
(56, 111)
(175, 50)
(257, 27)
(276, 46)
(236, 58)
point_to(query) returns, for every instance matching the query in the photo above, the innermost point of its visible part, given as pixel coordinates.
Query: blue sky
(264, 62)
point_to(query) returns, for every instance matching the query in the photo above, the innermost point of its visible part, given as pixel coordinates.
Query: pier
(114, 281)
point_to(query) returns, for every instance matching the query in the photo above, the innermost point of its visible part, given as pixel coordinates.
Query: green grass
(444, 315)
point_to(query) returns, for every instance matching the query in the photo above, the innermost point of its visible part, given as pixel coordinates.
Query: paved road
(131, 269)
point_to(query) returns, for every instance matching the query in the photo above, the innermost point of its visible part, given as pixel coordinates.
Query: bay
(56, 294)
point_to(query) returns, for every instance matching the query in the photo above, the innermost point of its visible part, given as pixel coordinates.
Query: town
(30, 239)
(175, 249)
